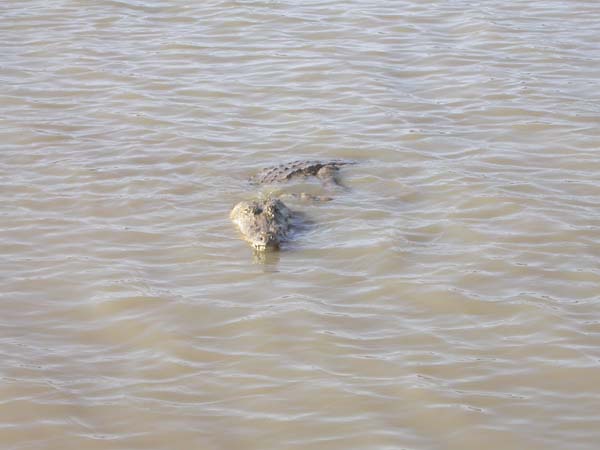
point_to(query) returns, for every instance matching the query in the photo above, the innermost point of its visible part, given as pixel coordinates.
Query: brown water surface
(448, 299)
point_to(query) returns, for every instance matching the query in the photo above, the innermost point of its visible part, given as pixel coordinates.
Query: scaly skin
(325, 170)
(263, 223)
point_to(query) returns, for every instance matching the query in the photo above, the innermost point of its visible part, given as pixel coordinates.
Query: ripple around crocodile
(265, 224)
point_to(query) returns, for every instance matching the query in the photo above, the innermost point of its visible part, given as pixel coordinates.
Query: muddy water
(448, 299)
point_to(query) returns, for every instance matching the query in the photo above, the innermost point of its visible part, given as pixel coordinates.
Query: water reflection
(269, 259)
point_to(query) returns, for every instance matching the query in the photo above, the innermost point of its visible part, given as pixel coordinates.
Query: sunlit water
(449, 298)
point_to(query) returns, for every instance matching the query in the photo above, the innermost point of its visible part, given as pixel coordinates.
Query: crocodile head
(263, 223)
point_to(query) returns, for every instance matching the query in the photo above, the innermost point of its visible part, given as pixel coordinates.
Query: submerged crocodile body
(324, 170)
(265, 224)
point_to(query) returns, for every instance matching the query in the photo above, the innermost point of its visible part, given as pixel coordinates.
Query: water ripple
(448, 298)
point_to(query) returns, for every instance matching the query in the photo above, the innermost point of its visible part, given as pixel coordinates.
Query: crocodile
(266, 223)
